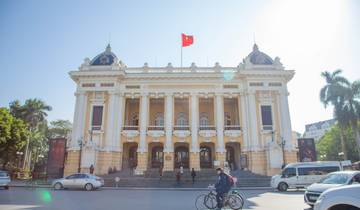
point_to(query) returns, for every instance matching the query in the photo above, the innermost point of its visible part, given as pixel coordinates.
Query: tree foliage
(328, 147)
(59, 128)
(13, 135)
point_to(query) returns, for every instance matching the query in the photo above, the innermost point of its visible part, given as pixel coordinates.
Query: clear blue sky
(41, 41)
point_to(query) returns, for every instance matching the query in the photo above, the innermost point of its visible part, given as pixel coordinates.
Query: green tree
(333, 93)
(351, 107)
(13, 135)
(59, 128)
(328, 146)
(34, 113)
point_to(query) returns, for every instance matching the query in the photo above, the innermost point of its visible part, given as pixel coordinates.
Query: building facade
(318, 129)
(195, 117)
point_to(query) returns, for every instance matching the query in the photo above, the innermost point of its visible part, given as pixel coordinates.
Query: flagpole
(181, 64)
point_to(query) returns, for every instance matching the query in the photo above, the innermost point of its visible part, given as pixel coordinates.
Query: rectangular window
(97, 117)
(266, 116)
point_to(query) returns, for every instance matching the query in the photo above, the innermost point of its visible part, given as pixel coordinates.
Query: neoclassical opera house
(198, 117)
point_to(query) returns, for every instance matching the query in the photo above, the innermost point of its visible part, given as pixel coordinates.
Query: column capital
(144, 94)
(194, 94)
(169, 94)
(79, 93)
(218, 94)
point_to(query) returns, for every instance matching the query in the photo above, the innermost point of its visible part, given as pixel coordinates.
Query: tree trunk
(343, 142)
(356, 132)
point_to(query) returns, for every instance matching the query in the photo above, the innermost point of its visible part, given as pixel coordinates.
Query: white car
(79, 180)
(332, 180)
(4, 179)
(341, 198)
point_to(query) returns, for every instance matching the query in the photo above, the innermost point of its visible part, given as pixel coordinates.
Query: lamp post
(282, 144)
(80, 142)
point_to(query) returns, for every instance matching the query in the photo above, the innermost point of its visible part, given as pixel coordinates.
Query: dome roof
(105, 58)
(259, 58)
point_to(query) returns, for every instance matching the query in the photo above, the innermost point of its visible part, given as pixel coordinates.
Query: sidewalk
(20, 183)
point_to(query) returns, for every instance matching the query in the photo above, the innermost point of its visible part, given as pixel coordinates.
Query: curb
(152, 188)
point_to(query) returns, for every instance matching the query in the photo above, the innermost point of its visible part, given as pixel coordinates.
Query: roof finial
(108, 48)
(255, 47)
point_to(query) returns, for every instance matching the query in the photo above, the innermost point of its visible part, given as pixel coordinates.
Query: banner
(307, 151)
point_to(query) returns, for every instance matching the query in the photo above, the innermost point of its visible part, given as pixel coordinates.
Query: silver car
(80, 181)
(4, 179)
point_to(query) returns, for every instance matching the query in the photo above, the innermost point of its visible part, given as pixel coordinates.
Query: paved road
(47, 199)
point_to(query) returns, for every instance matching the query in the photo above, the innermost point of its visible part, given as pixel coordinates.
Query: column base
(168, 161)
(291, 157)
(195, 161)
(72, 162)
(220, 157)
(258, 162)
(141, 163)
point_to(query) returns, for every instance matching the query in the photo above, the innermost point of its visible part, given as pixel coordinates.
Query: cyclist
(222, 186)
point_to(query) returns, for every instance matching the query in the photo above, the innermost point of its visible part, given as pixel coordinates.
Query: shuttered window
(97, 117)
(266, 116)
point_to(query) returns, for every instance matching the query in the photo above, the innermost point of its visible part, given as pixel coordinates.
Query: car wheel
(6, 187)
(58, 186)
(88, 187)
(282, 187)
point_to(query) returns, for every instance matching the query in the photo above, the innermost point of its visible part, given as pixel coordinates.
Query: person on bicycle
(222, 186)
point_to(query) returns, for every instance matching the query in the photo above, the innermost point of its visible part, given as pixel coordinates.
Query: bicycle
(233, 200)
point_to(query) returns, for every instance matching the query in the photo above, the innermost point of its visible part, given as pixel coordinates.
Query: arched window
(134, 119)
(181, 119)
(159, 119)
(227, 120)
(204, 119)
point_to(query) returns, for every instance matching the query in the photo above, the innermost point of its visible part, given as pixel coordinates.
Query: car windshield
(335, 179)
(3, 174)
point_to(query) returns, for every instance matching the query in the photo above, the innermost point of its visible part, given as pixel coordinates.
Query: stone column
(244, 122)
(194, 151)
(251, 108)
(285, 119)
(169, 148)
(220, 148)
(79, 119)
(142, 149)
(117, 143)
(112, 110)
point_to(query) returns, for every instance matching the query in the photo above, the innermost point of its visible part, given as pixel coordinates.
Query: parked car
(341, 198)
(332, 180)
(301, 175)
(79, 180)
(4, 179)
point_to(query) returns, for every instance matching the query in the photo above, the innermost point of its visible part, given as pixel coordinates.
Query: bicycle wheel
(199, 202)
(235, 202)
(210, 201)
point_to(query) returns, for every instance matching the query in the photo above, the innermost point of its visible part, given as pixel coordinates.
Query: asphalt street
(107, 199)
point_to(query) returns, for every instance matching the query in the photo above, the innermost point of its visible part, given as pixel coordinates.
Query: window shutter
(97, 117)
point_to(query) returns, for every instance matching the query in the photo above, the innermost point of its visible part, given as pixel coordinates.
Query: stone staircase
(204, 177)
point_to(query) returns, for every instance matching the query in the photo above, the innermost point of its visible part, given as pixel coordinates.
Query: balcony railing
(155, 128)
(267, 127)
(131, 127)
(207, 127)
(232, 127)
(181, 127)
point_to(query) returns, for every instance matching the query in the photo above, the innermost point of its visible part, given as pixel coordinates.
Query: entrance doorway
(157, 157)
(181, 157)
(130, 156)
(206, 155)
(233, 155)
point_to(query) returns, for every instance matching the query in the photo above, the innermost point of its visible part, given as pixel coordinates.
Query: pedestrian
(178, 178)
(193, 175)
(161, 172)
(91, 169)
(181, 169)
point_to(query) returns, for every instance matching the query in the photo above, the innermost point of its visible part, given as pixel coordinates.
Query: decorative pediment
(207, 133)
(233, 133)
(156, 133)
(130, 134)
(182, 133)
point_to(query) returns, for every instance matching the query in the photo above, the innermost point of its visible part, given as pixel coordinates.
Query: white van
(301, 175)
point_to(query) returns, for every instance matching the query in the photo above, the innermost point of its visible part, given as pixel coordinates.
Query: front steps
(204, 177)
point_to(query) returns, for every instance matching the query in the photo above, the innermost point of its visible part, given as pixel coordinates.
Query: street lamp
(81, 144)
(282, 144)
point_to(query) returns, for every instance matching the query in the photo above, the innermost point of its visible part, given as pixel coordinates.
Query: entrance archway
(181, 156)
(129, 155)
(233, 155)
(207, 155)
(157, 157)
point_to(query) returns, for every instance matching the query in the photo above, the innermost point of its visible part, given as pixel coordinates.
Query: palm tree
(33, 112)
(333, 93)
(352, 107)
